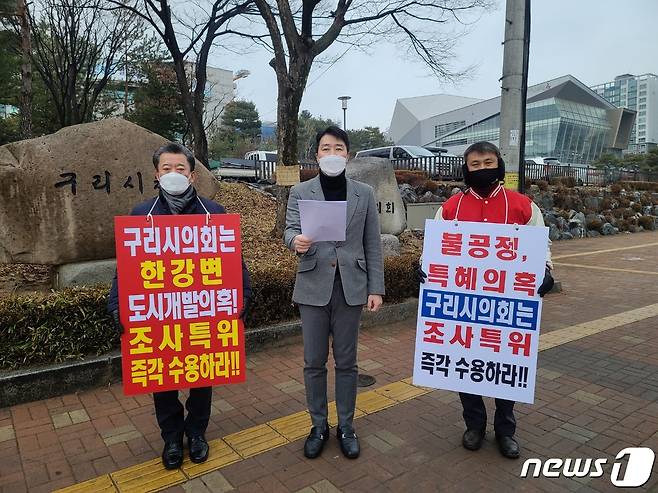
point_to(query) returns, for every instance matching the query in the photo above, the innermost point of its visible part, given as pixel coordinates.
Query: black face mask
(483, 179)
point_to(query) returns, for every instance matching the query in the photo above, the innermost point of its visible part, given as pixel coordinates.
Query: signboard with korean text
(479, 312)
(180, 296)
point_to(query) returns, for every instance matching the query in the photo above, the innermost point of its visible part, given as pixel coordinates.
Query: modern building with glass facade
(638, 93)
(564, 119)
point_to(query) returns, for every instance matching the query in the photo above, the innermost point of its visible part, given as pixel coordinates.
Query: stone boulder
(593, 203)
(578, 218)
(390, 246)
(59, 193)
(554, 232)
(590, 218)
(408, 193)
(609, 229)
(578, 232)
(544, 200)
(429, 197)
(379, 174)
(562, 222)
(84, 273)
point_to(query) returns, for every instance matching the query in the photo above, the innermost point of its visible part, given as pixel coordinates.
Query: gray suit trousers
(341, 321)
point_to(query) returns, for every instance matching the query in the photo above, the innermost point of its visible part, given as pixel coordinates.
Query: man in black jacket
(174, 170)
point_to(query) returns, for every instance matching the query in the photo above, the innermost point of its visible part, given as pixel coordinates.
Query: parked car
(551, 167)
(543, 160)
(396, 152)
(261, 155)
(236, 168)
(437, 151)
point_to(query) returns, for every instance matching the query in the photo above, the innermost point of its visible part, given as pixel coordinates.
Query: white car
(255, 165)
(396, 152)
(543, 160)
(261, 155)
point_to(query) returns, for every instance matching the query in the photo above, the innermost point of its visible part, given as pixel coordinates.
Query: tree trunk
(26, 73)
(200, 81)
(291, 90)
(200, 139)
(193, 114)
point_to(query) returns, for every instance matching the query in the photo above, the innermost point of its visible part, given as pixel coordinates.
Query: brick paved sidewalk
(595, 396)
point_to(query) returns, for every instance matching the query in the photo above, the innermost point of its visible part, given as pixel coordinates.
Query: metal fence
(444, 167)
(265, 170)
(586, 175)
(450, 168)
(438, 167)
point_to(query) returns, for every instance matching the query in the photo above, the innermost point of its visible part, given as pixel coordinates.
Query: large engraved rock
(60, 193)
(380, 175)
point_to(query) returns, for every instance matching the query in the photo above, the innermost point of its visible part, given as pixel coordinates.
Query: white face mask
(332, 165)
(174, 183)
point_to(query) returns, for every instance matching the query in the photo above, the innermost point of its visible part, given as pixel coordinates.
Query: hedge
(61, 326)
(72, 323)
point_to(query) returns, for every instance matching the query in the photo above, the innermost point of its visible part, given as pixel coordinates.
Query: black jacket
(161, 208)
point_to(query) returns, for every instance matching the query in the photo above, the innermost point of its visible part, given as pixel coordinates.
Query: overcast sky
(593, 40)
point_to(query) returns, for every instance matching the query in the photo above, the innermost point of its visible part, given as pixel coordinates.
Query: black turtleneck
(485, 192)
(334, 187)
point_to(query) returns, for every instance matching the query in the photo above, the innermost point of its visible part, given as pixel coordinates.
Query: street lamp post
(241, 74)
(514, 85)
(363, 380)
(344, 100)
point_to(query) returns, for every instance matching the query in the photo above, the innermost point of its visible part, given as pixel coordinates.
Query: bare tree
(201, 35)
(301, 31)
(76, 51)
(18, 9)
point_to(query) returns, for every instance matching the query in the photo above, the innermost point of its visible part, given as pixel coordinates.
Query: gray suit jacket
(359, 256)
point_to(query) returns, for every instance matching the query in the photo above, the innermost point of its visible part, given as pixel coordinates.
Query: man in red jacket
(485, 200)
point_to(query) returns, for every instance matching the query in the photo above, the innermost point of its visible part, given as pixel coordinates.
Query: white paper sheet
(323, 220)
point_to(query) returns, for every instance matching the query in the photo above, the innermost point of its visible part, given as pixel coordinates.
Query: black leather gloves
(117, 321)
(420, 275)
(246, 309)
(547, 283)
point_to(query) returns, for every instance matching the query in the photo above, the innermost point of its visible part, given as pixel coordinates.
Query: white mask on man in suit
(332, 165)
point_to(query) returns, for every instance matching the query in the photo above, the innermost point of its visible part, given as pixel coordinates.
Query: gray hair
(174, 148)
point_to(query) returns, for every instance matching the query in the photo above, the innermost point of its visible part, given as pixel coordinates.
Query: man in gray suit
(334, 280)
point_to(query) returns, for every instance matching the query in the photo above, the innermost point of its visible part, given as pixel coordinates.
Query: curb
(33, 384)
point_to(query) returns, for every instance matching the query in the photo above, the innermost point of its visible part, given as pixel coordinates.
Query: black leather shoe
(198, 448)
(472, 439)
(349, 443)
(508, 446)
(315, 441)
(172, 455)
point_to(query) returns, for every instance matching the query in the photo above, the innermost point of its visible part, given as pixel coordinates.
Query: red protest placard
(180, 296)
